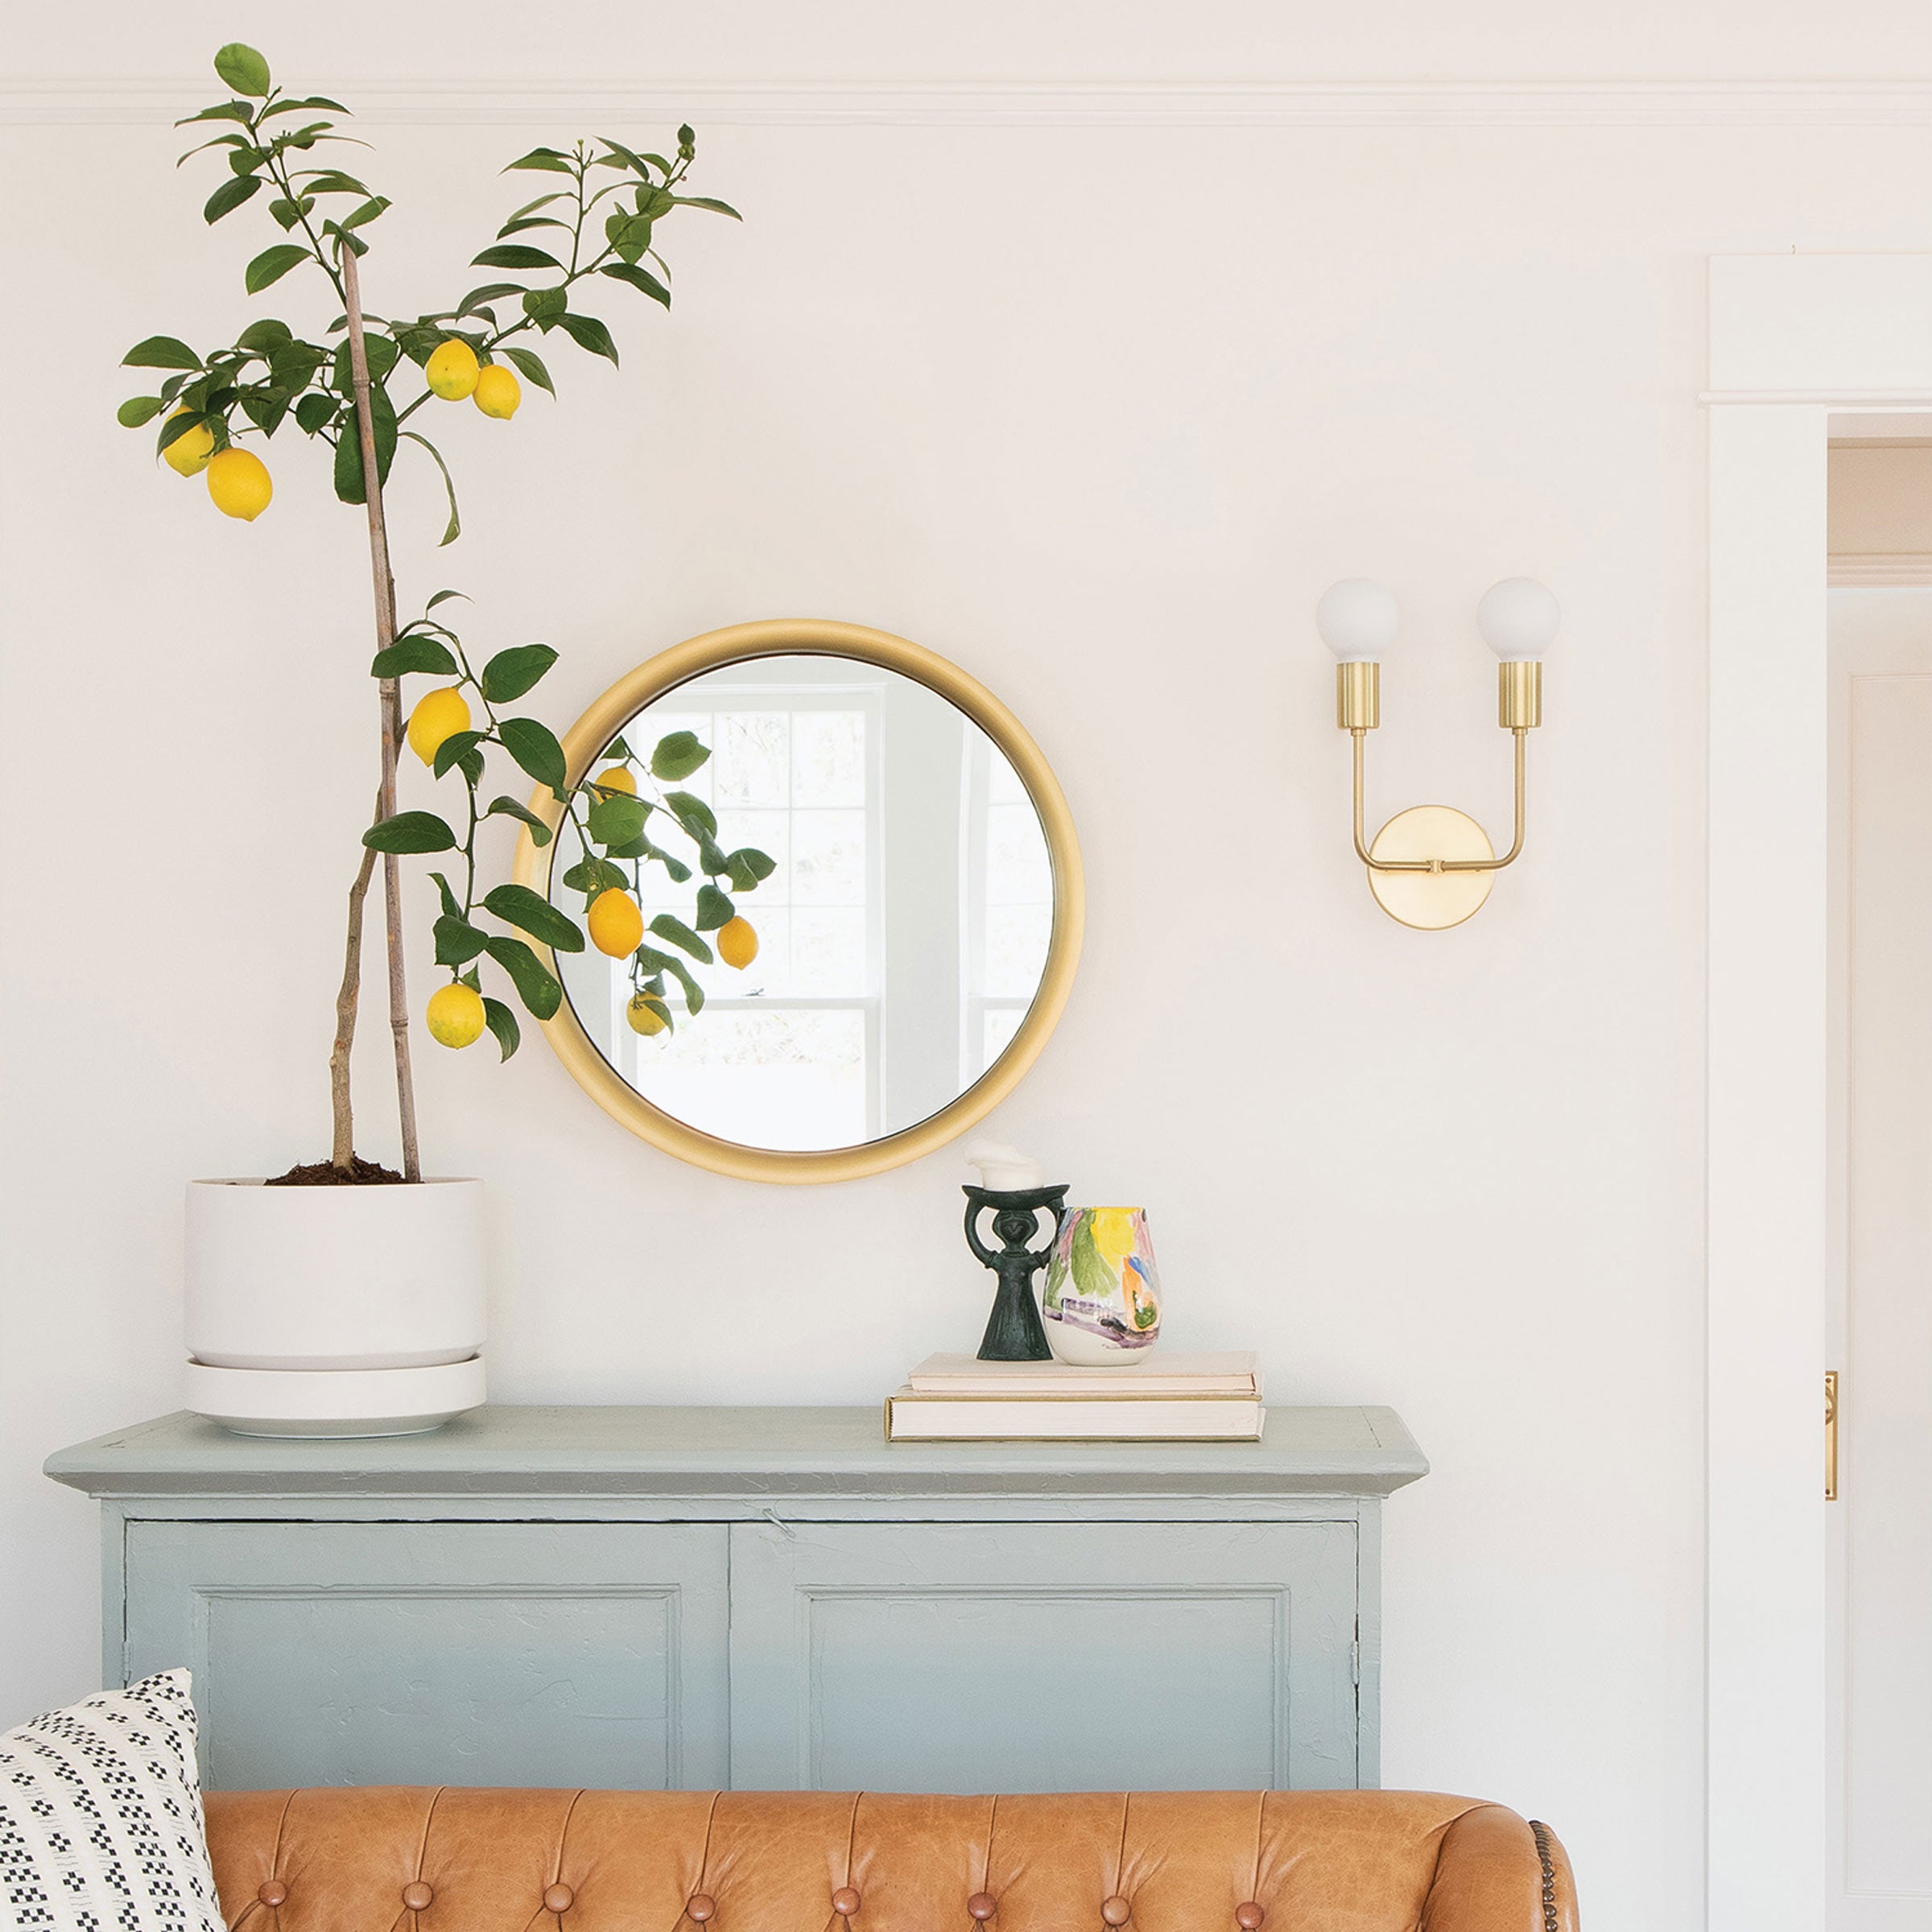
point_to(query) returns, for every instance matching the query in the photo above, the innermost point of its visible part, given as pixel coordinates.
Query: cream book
(1232, 1372)
(912, 1416)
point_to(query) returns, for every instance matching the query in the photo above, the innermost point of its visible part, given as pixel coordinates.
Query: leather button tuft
(416, 1896)
(558, 1898)
(981, 1905)
(700, 1906)
(845, 1901)
(271, 1891)
(1117, 1911)
(1249, 1917)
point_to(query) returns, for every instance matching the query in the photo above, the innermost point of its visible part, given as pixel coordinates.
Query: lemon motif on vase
(1102, 1300)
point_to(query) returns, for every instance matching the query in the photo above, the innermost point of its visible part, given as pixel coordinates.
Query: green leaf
(314, 410)
(307, 103)
(546, 160)
(665, 928)
(618, 820)
(455, 749)
(454, 528)
(693, 814)
(629, 234)
(331, 181)
(443, 597)
(451, 908)
(716, 207)
(411, 831)
(534, 747)
(457, 941)
(510, 673)
(366, 213)
(180, 424)
(654, 961)
(264, 409)
(382, 354)
(591, 875)
(633, 161)
(747, 866)
(532, 912)
(272, 265)
(266, 336)
(545, 305)
(226, 110)
(138, 410)
(536, 987)
(519, 225)
(678, 754)
(508, 808)
(679, 872)
(242, 68)
(160, 352)
(588, 332)
(414, 651)
(349, 447)
(514, 254)
(714, 909)
(229, 197)
(638, 277)
(530, 363)
(502, 1022)
(490, 292)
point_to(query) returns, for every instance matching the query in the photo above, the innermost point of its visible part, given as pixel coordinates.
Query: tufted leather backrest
(392, 1859)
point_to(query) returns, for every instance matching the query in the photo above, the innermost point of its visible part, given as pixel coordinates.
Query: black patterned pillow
(101, 1825)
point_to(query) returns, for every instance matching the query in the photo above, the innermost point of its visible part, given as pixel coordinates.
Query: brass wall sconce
(1432, 866)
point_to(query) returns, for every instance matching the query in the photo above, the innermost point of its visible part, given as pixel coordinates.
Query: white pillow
(101, 1826)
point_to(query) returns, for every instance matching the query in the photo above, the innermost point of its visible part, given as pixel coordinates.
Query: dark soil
(325, 1174)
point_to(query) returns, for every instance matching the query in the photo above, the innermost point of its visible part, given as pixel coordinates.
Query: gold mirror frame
(737, 644)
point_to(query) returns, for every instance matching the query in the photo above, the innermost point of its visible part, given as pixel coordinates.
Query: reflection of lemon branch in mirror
(338, 392)
(626, 800)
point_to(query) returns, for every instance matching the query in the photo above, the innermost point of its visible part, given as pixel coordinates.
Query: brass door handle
(1830, 1435)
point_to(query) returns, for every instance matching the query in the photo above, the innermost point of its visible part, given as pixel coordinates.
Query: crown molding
(793, 103)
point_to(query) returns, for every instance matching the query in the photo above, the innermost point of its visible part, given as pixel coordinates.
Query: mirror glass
(902, 920)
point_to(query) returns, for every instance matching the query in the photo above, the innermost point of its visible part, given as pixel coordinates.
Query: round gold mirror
(859, 890)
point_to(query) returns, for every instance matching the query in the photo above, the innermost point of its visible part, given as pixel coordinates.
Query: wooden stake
(391, 706)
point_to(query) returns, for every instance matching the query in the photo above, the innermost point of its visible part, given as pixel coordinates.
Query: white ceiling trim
(1903, 103)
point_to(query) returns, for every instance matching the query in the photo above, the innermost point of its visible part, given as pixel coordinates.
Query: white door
(1879, 1789)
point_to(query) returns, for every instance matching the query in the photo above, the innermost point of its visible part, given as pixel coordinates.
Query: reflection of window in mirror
(786, 1054)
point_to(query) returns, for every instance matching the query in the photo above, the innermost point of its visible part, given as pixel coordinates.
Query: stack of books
(1167, 1398)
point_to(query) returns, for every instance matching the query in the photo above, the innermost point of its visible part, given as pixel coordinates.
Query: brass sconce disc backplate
(1430, 901)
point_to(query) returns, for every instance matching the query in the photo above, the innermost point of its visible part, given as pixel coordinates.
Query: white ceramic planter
(334, 1277)
(334, 1310)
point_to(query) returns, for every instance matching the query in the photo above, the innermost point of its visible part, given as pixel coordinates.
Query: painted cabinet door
(474, 1654)
(1043, 1656)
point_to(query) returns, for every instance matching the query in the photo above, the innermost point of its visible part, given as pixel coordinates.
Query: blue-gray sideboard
(765, 1599)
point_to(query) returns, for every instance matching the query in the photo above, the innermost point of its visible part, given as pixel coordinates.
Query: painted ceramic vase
(1102, 1301)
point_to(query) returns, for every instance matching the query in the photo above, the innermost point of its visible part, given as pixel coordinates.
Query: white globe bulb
(1518, 618)
(1358, 619)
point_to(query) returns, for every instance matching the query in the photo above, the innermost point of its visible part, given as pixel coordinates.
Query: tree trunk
(342, 1155)
(391, 706)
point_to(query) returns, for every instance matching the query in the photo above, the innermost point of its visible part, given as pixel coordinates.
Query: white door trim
(1792, 338)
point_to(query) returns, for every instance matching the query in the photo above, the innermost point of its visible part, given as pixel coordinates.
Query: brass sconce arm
(1359, 734)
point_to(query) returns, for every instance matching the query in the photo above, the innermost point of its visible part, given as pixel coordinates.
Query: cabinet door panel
(478, 1653)
(1036, 1657)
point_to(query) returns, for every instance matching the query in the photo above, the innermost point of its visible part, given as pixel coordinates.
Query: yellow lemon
(646, 1014)
(238, 483)
(452, 369)
(498, 392)
(188, 454)
(437, 715)
(455, 1014)
(616, 778)
(737, 943)
(617, 926)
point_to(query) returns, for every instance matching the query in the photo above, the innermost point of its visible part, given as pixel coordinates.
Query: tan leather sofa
(399, 1860)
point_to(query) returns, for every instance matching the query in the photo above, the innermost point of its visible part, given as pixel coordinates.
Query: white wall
(1095, 404)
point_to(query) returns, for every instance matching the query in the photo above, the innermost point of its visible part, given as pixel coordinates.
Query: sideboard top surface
(508, 1450)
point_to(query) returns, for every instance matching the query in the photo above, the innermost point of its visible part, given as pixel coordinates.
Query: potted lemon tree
(345, 1293)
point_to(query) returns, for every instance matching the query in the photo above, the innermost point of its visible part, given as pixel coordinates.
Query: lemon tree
(353, 386)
